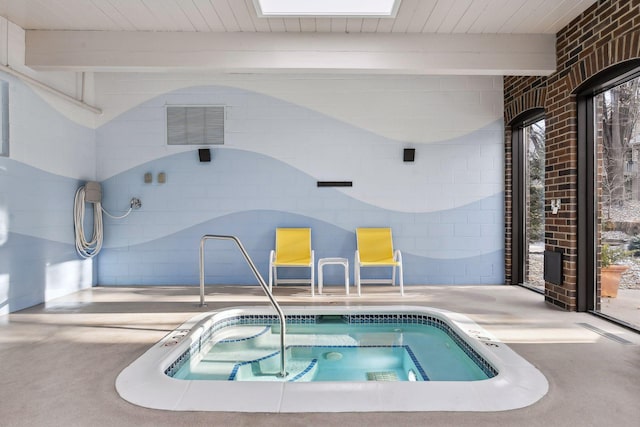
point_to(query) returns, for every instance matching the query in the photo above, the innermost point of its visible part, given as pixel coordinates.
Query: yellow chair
(293, 249)
(375, 249)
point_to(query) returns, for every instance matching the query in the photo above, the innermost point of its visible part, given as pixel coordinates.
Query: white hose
(87, 249)
(116, 217)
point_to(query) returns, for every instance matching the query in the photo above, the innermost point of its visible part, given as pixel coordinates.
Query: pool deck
(60, 360)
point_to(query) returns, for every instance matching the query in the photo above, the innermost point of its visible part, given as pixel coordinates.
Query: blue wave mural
(34, 270)
(40, 203)
(48, 153)
(445, 209)
(447, 173)
(38, 260)
(174, 259)
(239, 180)
(249, 195)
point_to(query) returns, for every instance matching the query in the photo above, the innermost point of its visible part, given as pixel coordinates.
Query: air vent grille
(195, 125)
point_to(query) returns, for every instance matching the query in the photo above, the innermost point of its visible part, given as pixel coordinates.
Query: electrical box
(93, 192)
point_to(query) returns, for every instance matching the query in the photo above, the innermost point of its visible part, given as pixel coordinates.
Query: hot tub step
(267, 370)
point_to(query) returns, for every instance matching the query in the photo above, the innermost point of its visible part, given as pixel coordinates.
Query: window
(608, 181)
(4, 118)
(528, 215)
(617, 186)
(534, 139)
(368, 8)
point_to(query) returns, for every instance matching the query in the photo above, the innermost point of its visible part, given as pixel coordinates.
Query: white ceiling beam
(461, 54)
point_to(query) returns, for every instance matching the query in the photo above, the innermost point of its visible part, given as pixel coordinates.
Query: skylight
(326, 8)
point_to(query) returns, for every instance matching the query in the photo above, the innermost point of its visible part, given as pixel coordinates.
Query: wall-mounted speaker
(409, 154)
(204, 154)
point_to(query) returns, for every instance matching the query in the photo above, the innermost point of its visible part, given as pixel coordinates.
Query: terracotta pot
(611, 279)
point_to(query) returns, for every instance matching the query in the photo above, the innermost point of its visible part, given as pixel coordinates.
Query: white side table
(337, 261)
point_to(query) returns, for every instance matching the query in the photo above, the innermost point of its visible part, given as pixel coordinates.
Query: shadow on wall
(34, 270)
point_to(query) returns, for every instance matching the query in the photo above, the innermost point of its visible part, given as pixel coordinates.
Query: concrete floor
(625, 307)
(60, 360)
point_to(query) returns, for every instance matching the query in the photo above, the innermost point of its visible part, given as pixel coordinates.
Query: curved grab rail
(274, 303)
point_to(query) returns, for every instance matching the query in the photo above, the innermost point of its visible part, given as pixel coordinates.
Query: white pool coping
(517, 385)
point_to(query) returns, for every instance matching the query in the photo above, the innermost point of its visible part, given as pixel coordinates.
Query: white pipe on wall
(54, 91)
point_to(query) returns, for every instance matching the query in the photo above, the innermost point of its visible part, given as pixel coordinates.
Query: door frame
(588, 247)
(519, 168)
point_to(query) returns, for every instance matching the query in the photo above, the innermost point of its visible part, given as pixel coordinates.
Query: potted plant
(611, 270)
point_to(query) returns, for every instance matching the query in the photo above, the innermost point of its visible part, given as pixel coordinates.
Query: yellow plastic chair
(293, 249)
(375, 249)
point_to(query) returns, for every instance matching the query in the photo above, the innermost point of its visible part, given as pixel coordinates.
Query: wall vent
(553, 267)
(195, 125)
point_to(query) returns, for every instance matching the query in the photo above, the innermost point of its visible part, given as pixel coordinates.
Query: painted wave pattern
(39, 203)
(447, 173)
(238, 181)
(241, 192)
(447, 209)
(174, 259)
(33, 270)
(38, 260)
(42, 137)
(249, 195)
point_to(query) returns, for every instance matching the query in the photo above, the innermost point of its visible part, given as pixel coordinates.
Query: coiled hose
(89, 249)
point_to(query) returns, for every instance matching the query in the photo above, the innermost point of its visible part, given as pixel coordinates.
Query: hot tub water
(333, 351)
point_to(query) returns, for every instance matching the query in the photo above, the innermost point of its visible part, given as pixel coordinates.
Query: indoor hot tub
(337, 359)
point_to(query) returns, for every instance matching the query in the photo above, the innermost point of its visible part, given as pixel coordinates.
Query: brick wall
(606, 34)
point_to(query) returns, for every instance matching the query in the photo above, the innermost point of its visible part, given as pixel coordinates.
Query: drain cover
(605, 334)
(333, 355)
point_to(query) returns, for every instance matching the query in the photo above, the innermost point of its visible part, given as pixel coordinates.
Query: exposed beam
(287, 52)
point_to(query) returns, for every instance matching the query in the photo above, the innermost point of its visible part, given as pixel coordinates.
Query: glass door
(617, 201)
(534, 140)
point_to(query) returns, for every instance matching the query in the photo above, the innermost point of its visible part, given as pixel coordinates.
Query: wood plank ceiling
(414, 16)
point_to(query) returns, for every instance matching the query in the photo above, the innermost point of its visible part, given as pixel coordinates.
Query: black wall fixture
(553, 267)
(204, 154)
(335, 183)
(409, 154)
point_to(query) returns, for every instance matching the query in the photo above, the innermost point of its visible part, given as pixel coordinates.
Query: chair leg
(356, 274)
(271, 267)
(312, 281)
(401, 280)
(393, 276)
(346, 278)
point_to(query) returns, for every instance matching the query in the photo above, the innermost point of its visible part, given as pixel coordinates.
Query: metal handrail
(274, 303)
